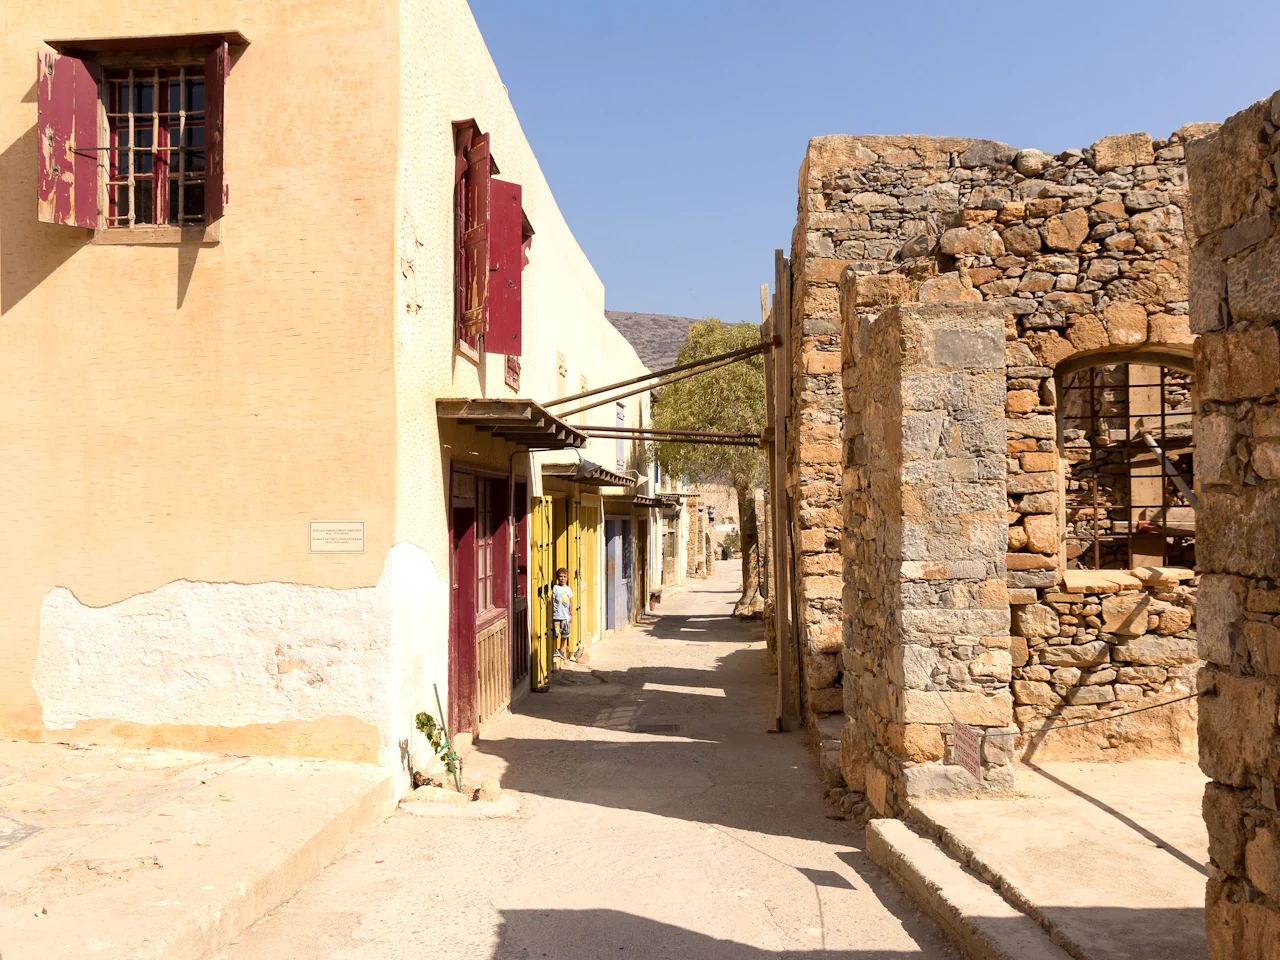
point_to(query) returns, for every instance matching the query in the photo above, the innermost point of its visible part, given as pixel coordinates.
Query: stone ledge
(1099, 581)
(980, 922)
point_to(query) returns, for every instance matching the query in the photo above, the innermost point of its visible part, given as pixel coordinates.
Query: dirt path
(656, 818)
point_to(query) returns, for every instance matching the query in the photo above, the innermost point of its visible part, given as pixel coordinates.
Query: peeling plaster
(231, 654)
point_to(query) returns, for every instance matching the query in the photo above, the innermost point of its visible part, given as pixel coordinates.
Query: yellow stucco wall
(180, 413)
(447, 75)
(175, 415)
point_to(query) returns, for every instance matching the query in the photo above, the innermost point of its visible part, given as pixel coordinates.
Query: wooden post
(778, 402)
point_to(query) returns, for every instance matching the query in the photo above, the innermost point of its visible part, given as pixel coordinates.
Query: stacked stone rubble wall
(1235, 310)
(1084, 253)
(1095, 651)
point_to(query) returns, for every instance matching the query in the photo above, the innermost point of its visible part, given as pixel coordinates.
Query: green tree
(727, 400)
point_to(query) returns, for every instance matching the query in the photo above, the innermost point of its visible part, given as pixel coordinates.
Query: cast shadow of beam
(1158, 841)
(1128, 821)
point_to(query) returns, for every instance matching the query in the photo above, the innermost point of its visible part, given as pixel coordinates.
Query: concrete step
(978, 920)
(924, 824)
(178, 860)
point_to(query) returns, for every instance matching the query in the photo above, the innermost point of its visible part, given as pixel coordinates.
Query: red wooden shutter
(475, 241)
(507, 260)
(216, 67)
(66, 142)
(462, 143)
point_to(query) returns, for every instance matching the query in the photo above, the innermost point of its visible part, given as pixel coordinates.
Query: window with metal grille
(132, 138)
(156, 153)
(1129, 453)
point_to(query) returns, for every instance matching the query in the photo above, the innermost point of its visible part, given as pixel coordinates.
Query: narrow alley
(655, 817)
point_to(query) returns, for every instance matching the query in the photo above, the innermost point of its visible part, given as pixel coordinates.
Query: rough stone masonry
(1085, 253)
(1083, 257)
(1235, 309)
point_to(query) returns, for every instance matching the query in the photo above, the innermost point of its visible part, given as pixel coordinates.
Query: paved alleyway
(656, 819)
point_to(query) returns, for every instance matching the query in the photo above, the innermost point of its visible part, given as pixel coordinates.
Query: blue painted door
(612, 563)
(624, 584)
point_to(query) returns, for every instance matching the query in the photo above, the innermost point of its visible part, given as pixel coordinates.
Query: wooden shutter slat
(216, 67)
(475, 241)
(507, 260)
(66, 142)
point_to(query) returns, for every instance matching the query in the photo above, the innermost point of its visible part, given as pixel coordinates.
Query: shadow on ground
(596, 934)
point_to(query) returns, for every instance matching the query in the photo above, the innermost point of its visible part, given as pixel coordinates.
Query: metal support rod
(744, 352)
(710, 443)
(655, 386)
(641, 431)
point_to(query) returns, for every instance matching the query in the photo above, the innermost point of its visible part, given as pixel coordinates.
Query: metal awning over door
(521, 422)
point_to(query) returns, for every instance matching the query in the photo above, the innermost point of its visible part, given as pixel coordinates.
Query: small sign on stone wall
(337, 536)
(967, 750)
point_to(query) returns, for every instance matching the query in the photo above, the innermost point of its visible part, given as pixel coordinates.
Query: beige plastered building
(182, 404)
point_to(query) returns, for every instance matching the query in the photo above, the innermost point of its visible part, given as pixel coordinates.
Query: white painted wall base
(232, 654)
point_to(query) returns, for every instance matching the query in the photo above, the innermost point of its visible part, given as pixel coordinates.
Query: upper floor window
(491, 242)
(131, 133)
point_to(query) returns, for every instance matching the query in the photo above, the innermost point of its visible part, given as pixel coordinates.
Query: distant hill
(657, 338)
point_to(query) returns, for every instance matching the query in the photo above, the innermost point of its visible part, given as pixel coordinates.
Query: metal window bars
(155, 117)
(1102, 514)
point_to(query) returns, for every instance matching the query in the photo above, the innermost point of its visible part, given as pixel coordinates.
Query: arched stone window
(1126, 441)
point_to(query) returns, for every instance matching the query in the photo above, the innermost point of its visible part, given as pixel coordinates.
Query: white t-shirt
(560, 597)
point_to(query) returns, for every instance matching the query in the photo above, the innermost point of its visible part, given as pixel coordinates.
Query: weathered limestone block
(1081, 654)
(1035, 620)
(975, 709)
(1160, 651)
(1124, 150)
(1226, 830)
(1126, 323)
(1030, 691)
(916, 742)
(1237, 728)
(1238, 365)
(1126, 614)
(1065, 232)
(1042, 531)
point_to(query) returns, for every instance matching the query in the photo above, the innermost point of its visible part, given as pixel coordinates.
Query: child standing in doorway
(562, 612)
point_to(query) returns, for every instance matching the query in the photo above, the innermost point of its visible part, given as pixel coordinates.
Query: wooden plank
(783, 555)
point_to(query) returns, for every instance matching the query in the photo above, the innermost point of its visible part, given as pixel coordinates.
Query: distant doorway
(617, 575)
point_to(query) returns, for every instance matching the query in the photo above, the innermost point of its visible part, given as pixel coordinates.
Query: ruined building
(993, 373)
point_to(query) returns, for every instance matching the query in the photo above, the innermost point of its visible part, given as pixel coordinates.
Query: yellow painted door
(540, 645)
(590, 571)
(575, 571)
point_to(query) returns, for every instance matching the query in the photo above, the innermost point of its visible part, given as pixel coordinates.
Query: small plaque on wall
(337, 536)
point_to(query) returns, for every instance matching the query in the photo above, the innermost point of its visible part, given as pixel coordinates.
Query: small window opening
(1129, 452)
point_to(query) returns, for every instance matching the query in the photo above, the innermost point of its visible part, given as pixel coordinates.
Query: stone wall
(1101, 644)
(1235, 308)
(927, 612)
(1084, 256)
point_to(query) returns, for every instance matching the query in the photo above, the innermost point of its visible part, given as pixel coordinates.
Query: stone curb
(207, 899)
(969, 858)
(976, 918)
(249, 901)
(505, 806)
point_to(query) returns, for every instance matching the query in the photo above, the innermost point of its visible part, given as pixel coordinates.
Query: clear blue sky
(671, 133)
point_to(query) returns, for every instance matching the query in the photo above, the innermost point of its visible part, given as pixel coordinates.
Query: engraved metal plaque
(337, 536)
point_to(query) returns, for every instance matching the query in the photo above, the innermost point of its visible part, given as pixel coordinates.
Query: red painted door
(462, 608)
